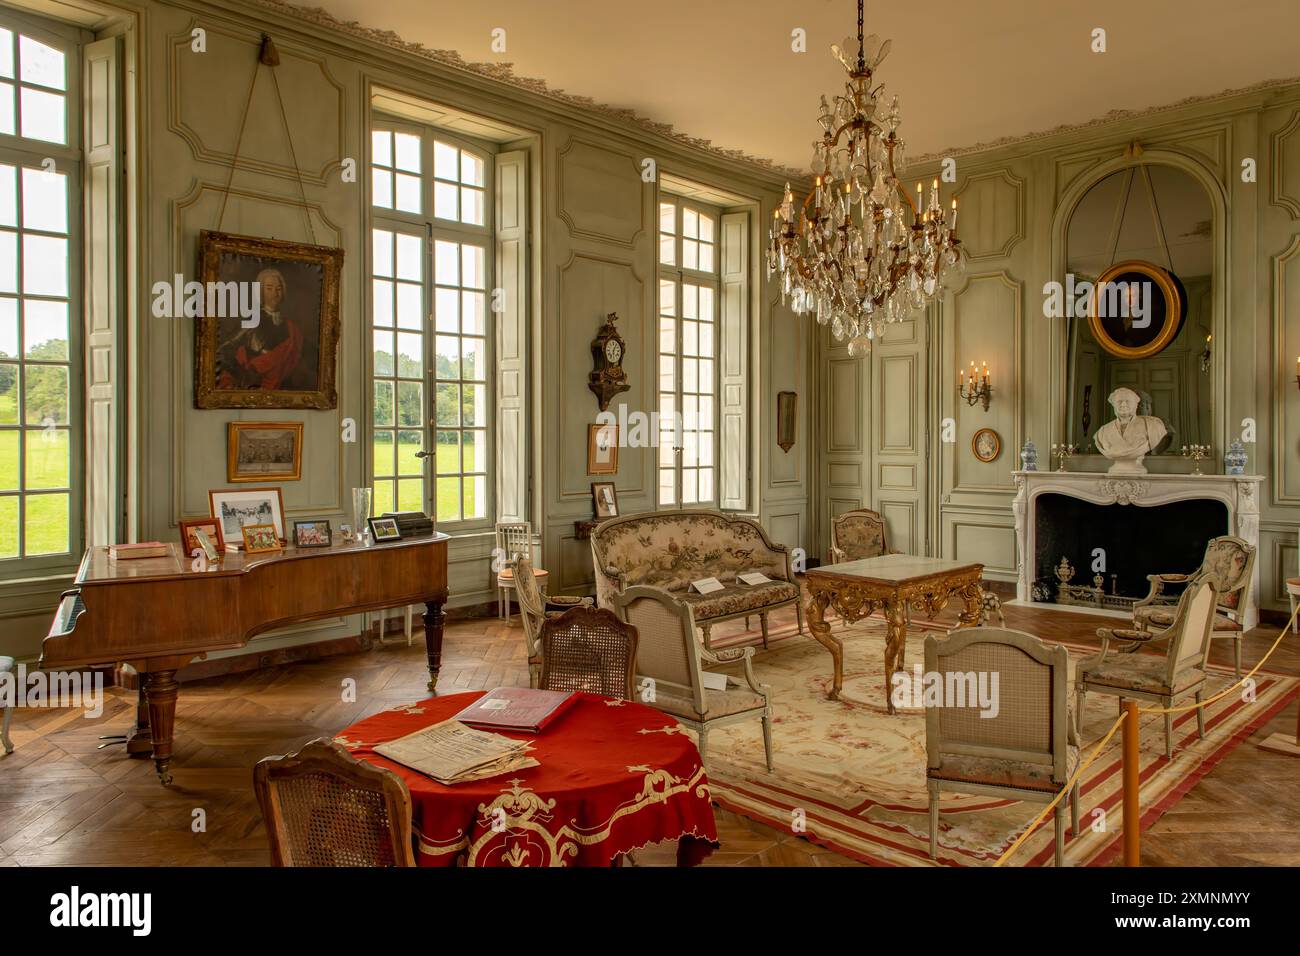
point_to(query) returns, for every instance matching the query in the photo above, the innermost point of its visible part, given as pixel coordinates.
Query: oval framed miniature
(986, 445)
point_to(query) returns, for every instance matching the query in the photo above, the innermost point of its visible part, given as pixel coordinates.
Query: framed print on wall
(1136, 286)
(236, 507)
(604, 500)
(986, 445)
(282, 353)
(602, 449)
(263, 451)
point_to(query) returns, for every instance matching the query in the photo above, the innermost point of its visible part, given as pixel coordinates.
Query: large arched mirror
(1143, 238)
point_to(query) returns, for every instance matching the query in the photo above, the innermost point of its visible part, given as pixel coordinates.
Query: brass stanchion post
(1132, 811)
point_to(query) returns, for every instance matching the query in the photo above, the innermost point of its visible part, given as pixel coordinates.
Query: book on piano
(517, 708)
(143, 549)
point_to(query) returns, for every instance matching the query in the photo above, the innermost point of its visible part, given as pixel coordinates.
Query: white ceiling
(966, 72)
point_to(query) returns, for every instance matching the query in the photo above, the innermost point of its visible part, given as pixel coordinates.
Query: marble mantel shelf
(1238, 493)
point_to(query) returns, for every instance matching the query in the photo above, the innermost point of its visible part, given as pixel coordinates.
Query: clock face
(613, 351)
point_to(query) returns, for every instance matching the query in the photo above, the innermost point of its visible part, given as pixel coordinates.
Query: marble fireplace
(1144, 523)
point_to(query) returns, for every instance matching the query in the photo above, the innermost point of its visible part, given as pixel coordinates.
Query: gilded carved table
(891, 583)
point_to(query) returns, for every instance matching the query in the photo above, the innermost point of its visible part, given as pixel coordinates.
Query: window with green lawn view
(40, 417)
(431, 244)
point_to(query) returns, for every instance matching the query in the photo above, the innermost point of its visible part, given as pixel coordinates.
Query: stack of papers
(451, 753)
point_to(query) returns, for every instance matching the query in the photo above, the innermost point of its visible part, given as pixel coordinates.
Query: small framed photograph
(384, 529)
(604, 499)
(312, 534)
(602, 449)
(260, 538)
(208, 546)
(236, 507)
(263, 451)
(190, 540)
(986, 445)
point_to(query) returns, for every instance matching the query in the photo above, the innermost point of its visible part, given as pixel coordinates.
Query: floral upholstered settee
(670, 549)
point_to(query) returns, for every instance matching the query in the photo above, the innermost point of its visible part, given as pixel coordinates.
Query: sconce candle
(978, 389)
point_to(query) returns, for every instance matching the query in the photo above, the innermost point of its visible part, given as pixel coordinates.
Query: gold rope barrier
(1130, 847)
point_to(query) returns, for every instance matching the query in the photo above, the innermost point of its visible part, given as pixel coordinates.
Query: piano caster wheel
(165, 776)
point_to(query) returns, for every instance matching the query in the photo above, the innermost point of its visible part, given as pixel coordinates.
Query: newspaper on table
(451, 752)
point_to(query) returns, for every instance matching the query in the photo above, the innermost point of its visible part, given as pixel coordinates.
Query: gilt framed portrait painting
(270, 328)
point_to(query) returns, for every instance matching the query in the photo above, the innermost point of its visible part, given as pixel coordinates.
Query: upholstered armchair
(1025, 749)
(588, 649)
(669, 671)
(1229, 564)
(534, 608)
(858, 534)
(322, 807)
(1180, 673)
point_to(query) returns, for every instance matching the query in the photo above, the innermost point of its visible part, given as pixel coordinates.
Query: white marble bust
(1130, 437)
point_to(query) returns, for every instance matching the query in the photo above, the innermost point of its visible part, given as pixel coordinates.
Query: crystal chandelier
(859, 252)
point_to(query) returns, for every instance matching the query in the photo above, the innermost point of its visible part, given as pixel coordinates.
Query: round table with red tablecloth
(613, 776)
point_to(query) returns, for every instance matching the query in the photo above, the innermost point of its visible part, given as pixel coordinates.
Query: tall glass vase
(360, 512)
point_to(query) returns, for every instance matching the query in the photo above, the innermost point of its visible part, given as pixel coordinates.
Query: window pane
(408, 193)
(47, 462)
(475, 406)
(472, 312)
(8, 328)
(381, 188)
(447, 356)
(445, 161)
(667, 217)
(41, 64)
(383, 499)
(9, 376)
(383, 446)
(383, 403)
(667, 250)
(410, 442)
(408, 152)
(446, 309)
(706, 484)
(410, 403)
(8, 262)
(688, 486)
(444, 200)
(9, 527)
(690, 257)
(410, 264)
(689, 302)
(690, 338)
(667, 297)
(45, 400)
(410, 494)
(381, 246)
(381, 147)
(448, 454)
(472, 268)
(43, 117)
(474, 451)
(706, 303)
(706, 375)
(471, 169)
(410, 355)
(447, 411)
(45, 265)
(706, 258)
(45, 200)
(667, 373)
(690, 223)
(383, 302)
(446, 262)
(706, 227)
(472, 359)
(471, 206)
(45, 524)
(8, 196)
(45, 330)
(383, 352)
(448, 499)
(9, 460)
(6, 53)
(410, 306)
(706, 338)
(475, 497)
(667, 334)
(666, 495)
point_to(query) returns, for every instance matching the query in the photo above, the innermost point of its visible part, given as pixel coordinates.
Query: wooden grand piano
(158, 614)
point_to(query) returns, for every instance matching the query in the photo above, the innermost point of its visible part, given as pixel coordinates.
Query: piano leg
(139, 742)
(161, 690)
(433, 621)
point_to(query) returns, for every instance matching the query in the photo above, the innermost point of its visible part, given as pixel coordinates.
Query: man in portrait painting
(271, 354)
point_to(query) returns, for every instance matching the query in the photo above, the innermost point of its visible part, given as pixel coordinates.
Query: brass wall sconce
(977, 389)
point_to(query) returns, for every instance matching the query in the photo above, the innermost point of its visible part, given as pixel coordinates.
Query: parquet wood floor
(62, 801)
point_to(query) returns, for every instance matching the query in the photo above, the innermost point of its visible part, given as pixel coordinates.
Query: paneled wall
(591, 249)
(1014, 202)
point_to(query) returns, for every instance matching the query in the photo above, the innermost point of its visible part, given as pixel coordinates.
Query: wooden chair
(323, 808)
(858, 534)
(1028, 749)
(514, 537)
(1229, 564)
(534, 608)
(1165, 680)
(669, 672)
(6, 667)
(588, 649)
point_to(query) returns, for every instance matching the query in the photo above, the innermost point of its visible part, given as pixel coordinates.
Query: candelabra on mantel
(1062, 453)
(977, 389)
(1196, 454)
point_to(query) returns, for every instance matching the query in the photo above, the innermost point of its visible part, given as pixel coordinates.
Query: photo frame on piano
(235, 507)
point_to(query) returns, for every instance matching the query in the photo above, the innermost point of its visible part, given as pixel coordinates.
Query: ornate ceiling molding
(504, 73)
(1114, 116)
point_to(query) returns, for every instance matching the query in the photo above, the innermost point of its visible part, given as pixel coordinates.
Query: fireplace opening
(1137, 541)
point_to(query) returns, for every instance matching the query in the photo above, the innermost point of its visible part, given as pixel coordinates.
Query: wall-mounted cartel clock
(607, 379)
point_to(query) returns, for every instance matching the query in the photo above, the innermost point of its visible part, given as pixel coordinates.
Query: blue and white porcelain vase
(1234, 462)
(1029, 457)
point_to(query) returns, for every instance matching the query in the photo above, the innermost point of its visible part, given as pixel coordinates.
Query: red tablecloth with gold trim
(614, 776)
